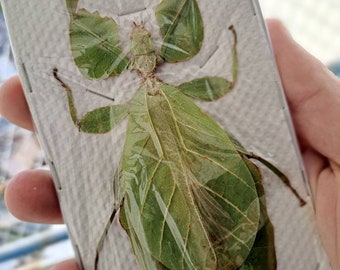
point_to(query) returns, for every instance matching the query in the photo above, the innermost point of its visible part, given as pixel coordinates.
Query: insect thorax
(152, 86)
(143, 50)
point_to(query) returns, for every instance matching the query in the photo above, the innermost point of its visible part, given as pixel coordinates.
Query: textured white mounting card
(83, 165)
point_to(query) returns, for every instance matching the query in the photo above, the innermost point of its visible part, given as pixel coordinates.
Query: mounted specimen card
(167, 134)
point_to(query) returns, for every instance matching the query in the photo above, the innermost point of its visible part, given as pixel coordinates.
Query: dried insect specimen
(189, 197)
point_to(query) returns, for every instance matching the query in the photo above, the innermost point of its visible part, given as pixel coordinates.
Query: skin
(313, 95)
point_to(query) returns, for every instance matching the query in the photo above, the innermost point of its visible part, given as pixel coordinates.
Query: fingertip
(281, 39)
(276, 27)
(301, 73)
(13, 105)
(31, 197)
(66, 265)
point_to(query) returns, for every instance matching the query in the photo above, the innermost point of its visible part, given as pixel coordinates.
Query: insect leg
(98, 121)
(279, 174)
(104, 235)
(118, 191)
(73, 110)
(234, 58)
(210, 88)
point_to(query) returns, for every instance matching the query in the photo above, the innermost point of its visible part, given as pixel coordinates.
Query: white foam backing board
(83, 165)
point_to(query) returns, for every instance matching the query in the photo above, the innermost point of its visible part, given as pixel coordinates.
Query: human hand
(30, 195)
(313, 94)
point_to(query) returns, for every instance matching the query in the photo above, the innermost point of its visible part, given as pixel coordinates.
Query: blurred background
(27, 246)
(314, 24)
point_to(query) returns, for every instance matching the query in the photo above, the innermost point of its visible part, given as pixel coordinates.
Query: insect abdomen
(184, 186)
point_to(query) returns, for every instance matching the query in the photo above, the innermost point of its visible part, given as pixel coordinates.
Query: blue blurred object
(7, 130)
(7, 66)
(32, 243)
(335, 68)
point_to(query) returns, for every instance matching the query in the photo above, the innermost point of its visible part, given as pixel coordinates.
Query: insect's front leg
(210, 88)
(98, 121)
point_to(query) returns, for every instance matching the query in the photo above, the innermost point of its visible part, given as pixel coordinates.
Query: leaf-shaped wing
(94, 43)
(262, 255)
(190, 199)
(181, 28)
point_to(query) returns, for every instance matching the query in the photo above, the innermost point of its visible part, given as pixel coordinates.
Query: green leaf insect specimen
(189, 196)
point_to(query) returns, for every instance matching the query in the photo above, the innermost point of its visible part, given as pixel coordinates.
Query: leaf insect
(189, 195)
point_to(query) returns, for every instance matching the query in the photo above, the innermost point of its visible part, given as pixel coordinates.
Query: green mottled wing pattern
(181, 28)
(184, 204)
(262, 255)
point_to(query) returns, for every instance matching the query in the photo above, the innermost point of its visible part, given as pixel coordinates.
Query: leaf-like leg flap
(181, 28)
(100, 120)
(207, 88)
(95, 45)
(211, 87)
(103, 119)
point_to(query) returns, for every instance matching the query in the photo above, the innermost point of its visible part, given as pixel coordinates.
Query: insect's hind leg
(104, 234)
(279, 174)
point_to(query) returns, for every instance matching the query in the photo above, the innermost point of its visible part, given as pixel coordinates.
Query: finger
(67, 265)
(13, 105)
(313, 93)
(31, 196)
(314, 165)
(303, 76)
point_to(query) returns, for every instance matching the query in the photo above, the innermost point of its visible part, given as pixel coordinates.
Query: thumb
(312, 91)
